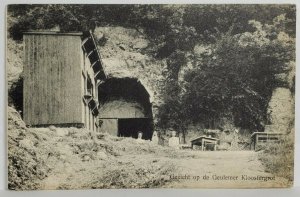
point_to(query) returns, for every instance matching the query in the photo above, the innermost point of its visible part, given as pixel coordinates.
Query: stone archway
(125, 108)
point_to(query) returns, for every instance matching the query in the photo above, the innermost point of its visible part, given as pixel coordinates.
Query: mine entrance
(129, 127)
(125, 108)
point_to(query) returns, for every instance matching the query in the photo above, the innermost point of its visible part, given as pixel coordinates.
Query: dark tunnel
(129, 91)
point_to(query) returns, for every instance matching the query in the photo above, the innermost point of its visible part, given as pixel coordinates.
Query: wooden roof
(205, 137)
(54, 33)
(266, 133)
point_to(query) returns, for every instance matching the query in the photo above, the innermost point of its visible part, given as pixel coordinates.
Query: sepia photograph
(111, 96)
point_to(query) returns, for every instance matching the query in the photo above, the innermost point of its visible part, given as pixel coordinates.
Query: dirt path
(192, 169)
(80, 160)
(223, 169)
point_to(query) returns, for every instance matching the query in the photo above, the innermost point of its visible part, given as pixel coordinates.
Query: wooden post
(202, 143)
(256, 141)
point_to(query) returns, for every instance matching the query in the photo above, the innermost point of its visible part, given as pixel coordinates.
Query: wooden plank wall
(52, 79)
(109, 126)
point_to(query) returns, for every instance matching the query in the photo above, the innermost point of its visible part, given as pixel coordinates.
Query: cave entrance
(130, 127)
(125, 108)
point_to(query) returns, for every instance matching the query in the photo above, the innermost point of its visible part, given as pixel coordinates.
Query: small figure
(139, 139)
(174, 141)
(154, 138)
(236, 130)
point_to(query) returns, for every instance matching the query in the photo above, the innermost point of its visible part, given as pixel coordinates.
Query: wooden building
(62, 72)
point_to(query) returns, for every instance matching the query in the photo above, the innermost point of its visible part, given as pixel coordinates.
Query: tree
(237, 78)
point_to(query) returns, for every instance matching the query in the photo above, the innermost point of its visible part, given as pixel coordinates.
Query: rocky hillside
(14, 61)
(71, 158)
(124, 53)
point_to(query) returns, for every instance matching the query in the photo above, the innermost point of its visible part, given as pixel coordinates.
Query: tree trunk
(183, 134)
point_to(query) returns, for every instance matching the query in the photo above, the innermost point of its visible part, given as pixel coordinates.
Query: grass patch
(278, 158)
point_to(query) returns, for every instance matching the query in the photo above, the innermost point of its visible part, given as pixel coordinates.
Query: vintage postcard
(150, 96)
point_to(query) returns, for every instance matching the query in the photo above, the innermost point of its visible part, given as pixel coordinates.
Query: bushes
(278, 158)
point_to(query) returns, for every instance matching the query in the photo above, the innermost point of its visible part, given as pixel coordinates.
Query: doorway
(129, 127)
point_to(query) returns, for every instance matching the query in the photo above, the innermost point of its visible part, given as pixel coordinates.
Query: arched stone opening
(125, 108)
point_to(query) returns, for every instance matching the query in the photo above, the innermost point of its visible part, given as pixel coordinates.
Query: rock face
(123, 56)
(122, 109)
(281, 110)
(14, 62)
(23, 166)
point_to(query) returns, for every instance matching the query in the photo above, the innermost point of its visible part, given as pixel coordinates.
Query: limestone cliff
(281, 107)
(123, 54)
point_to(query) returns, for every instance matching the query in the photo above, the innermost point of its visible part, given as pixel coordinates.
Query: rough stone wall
(282, 104)
(14, 61)
(123, 53)
(121, 109)
(281, 110)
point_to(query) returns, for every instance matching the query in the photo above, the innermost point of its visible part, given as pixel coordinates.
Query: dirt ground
(72, 158)
(225, 169)
(189, 171)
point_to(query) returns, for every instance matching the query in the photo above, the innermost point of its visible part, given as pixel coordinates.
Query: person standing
(154, 138)
(174, 141)
(140, 135)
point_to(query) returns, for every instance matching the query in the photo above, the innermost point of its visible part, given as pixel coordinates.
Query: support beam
(93, 64)
(92, 51)
(85, 40)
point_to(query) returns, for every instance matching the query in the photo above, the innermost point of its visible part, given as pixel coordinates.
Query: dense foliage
(238, 74)
(233, 52)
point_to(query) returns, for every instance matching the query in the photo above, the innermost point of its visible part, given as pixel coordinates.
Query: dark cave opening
(127, 101)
